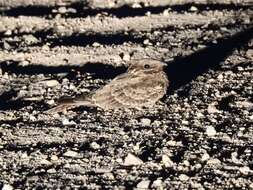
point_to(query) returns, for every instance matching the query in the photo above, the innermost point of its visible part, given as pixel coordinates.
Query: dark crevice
(98, 70)
(185, 69)
(89, 39)
(27, 11)
(83, 10)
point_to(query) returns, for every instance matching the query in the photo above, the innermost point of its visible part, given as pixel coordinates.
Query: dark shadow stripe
(185, 69)
(82, 9)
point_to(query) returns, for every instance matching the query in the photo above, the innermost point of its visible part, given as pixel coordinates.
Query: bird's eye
(146, 66)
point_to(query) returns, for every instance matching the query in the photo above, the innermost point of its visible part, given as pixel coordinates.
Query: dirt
(198, 137)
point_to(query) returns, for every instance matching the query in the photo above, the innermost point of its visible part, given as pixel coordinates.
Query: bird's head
(146, 66)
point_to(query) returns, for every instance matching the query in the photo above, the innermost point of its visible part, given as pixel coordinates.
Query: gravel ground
(198, 137)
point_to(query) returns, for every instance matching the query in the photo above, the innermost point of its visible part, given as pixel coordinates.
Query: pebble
(166, 12)
(249, 54)
(245, 104)
(213, 161)
(62, 10)
(50, 83)
(245, 170)
(7, 187)
(94, 145)
(147, 42)
(143, 184)
(96, 44)
(210, 131)
(45, 162)
(30, 39)
(183, 177)
(205, 157)
(193, 9)
(66, 122)
(51, 171)
(167, 161)
(157, 183)
(71, 154)
(8, 33)
(132, 160)
(54, 158)
(212, 109)
(145, 121)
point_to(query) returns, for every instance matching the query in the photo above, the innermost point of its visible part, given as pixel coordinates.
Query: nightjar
(144, 83)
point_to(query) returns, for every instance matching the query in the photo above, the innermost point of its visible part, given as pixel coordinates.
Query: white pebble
(145, 121)
(132, 160)
(7, 187)
(71, 154)
(210, 131)
(143, 184)
(183, 177)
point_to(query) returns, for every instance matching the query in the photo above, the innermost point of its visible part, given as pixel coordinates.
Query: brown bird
(142, 85)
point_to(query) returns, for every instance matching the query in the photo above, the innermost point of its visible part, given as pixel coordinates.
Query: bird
(142, 85)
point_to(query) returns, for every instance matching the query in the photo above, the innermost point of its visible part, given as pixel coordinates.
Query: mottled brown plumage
(142, 85)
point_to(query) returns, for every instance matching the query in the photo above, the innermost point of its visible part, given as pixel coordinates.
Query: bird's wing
(126, 91)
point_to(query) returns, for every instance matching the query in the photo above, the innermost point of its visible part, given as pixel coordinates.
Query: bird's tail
(66, 104)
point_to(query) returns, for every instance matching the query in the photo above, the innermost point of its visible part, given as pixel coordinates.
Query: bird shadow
(183, 70)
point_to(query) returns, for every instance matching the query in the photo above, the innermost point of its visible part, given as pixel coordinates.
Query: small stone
(205, 157)
(62, 10)
(51, 171)
(183, 177)
(210, 131)
(143, 184)
(193, 9)
(166, 12)
(147, 42)
(245, 104)
(145, 121)
(6, 45)
(30, 39)
(249, 54)
(184, 122)
(212, 109)
(167, 161)
(45, 162)
(32, 118)
(54, 158)
(94, 145)
(8, 33)
(7, 187)
(71, 154)
(50, 83)
(245, 170)
(96, 44)
(51, 102)
(136, 5)
(148, 13)
(220, 77)
(157, 183)
(132, 160)
(214, 161)
(66, 122)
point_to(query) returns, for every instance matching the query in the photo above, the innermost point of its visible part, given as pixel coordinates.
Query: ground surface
(200, 136)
